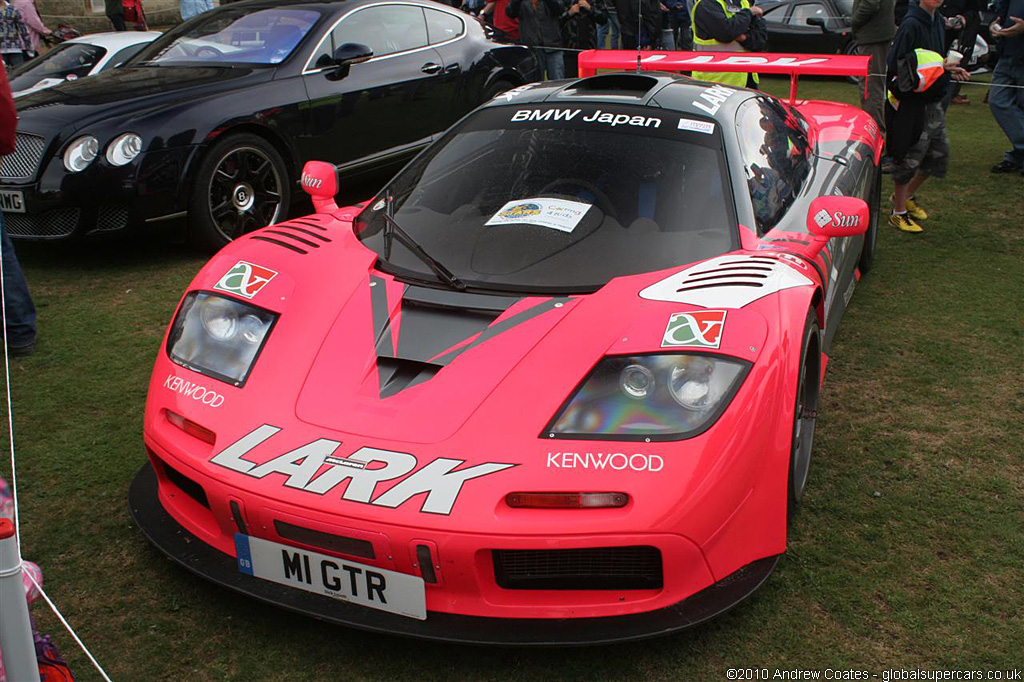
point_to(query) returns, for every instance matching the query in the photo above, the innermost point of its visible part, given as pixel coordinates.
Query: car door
(804, 37)
(385, 107)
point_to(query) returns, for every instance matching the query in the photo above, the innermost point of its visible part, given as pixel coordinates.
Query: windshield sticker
(699, 329)
(598, 116)
(706, 127)
(558, 214)
(713, 98)
(245, 279)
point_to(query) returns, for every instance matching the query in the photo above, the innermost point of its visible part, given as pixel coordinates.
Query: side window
(442, 27)
(124, 55)
(776, 15)
(801, 13)
(386, 29)
(776, 158)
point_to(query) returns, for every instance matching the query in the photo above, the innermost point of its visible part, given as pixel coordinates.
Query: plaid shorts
(930, 155)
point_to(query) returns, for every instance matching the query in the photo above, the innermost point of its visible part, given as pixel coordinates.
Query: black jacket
(580, 30)
(918, 30)
(538, 24)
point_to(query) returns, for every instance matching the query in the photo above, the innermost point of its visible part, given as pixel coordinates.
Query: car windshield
(233, 36)
(69, 59)
(559, 198)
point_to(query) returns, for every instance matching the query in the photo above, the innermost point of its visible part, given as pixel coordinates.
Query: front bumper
(191, 552)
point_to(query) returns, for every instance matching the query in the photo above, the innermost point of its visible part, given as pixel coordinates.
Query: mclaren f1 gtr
(555, 384)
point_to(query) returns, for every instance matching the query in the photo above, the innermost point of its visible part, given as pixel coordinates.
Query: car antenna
(639, 25)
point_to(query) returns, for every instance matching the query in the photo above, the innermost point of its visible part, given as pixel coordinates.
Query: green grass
(908, 551)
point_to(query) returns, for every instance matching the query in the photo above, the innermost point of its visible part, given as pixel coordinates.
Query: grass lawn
(908, 552)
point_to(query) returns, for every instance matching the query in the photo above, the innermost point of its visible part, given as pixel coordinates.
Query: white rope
(67, 626)
(14, 477)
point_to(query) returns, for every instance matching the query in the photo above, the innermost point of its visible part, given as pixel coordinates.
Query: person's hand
(757, 11)
(573, 9)
(956, 22)
(584, 4)
(662, 6)
(741, 37)
(958, 73)
(1009, 31)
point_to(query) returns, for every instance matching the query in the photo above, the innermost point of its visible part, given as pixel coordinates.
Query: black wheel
(867, 252)
(496, 88)
(242, 185)
(806, 412)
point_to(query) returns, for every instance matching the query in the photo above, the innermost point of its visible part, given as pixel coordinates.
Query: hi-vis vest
(927, 67)
(737, 80)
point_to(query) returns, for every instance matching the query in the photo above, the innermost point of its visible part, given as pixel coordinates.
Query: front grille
(49, 225)
(328, 541)
(590, 568)
(110, 218)
(22, 163)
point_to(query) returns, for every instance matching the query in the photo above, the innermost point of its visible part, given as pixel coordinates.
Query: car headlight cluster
(84, 150)
(666, 396)
(219, 336)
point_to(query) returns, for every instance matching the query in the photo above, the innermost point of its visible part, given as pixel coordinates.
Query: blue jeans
(602, 30)
(1007, 104)
(552, 63)
(21, 313)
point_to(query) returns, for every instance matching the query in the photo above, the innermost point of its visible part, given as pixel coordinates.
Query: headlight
(650, 397)
(219, 336)
(123, 149)
(81, 153)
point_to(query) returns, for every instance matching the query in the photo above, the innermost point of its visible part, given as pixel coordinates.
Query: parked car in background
(78, 58)
(809, 26)
(206, 129)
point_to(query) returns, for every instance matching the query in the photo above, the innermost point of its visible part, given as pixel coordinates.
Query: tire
(496, 88)
(242, 185)
(805, 413)
(867, 252)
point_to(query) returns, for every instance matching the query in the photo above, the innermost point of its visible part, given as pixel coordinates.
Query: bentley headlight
(124, 149)
(655, 397)
(219, 336)
(81, 153)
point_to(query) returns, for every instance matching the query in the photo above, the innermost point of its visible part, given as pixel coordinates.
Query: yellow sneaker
(903, 221)
(914, 209)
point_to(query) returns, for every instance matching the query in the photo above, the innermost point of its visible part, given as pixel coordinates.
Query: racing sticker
(693, 125)
(304, 469)
(200, 394)
(711, 99)
(823, 218)
(557, 214)
(699, 329)
(245, 279)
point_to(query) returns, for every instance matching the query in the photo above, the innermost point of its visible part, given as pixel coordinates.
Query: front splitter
(179, 544)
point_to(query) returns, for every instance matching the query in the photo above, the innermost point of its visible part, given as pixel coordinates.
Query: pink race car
(556, 384)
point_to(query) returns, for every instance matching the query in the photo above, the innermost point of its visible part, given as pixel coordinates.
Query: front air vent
(727, 281)
(300, 235)
(588, 568)
(186, 484)
(329, 541)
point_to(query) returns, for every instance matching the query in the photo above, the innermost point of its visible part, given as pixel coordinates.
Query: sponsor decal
(870, 127)
(822, 218)
(712, 98)
(311, 182)
(200, 394)
(839, 219)
(600, 117)
(245, 279)
(600, 461)
(509, 95)
(558, 214)
(788, 257)
(699, 329)
(706, 127)
(303, 468)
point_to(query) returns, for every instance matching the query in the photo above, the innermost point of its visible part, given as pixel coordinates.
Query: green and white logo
(699, 329)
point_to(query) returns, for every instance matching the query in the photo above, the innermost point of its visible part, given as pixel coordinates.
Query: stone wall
(87, 15)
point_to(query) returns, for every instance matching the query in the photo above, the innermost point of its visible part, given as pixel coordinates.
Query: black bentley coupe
(205, 131)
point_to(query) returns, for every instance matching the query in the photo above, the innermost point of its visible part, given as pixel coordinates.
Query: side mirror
(344, 57)
(320, 181)
(830, 217)
(819, 22)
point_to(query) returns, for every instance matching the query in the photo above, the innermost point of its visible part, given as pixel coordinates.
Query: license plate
(377, 588)
(12, 201)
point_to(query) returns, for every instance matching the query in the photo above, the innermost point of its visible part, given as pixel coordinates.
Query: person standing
(115, 12)
(20, 312)
(611, 25)
(539, 28)
(719, 26)
(639, 22)
(14, 40)
(915, 119)
(191, 8)
(1006, 98)
(874, 25)
(579, 30)
(494, 12)
(36, 28)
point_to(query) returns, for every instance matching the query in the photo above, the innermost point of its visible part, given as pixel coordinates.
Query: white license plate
(12, 201)
(377, 588)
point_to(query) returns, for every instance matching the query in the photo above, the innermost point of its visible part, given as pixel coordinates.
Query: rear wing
(792, 65)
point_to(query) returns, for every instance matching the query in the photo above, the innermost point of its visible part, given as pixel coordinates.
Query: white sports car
(77, 58)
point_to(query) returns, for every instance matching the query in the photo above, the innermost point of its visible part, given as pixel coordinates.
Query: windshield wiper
(392, 228)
